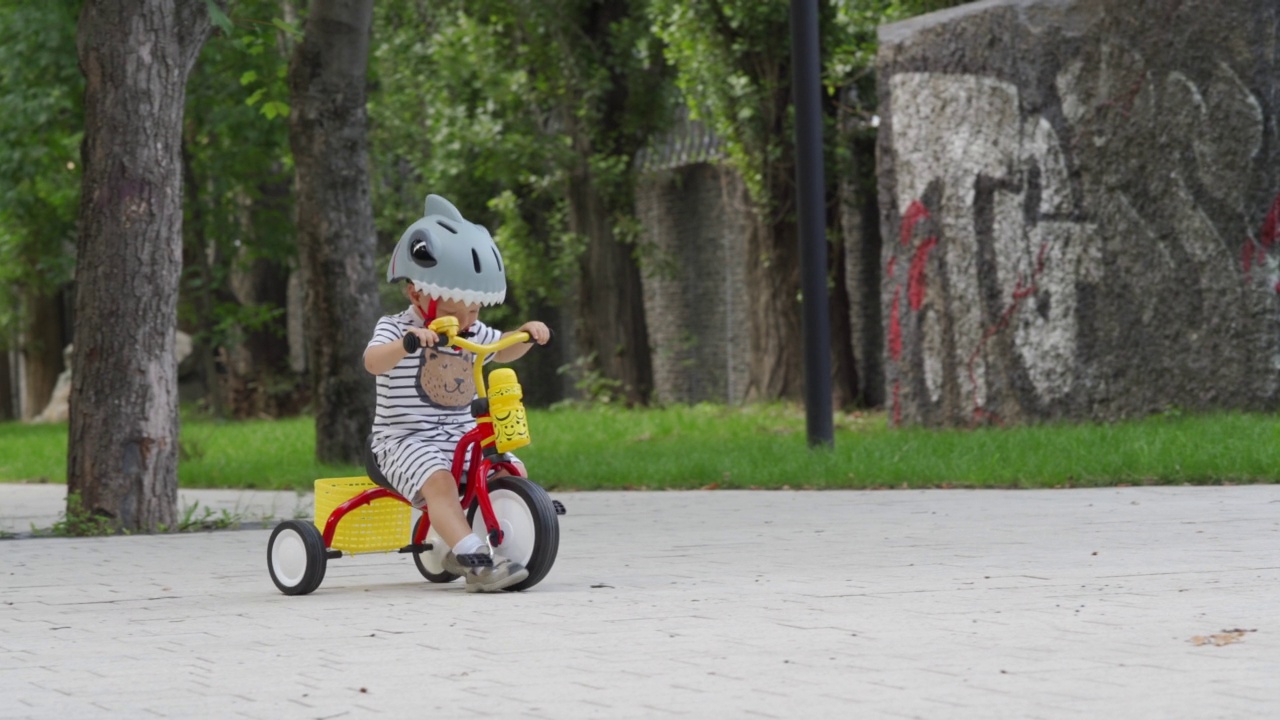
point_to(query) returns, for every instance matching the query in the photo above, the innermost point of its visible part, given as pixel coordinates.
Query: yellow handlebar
(447, 327)
(509, 429)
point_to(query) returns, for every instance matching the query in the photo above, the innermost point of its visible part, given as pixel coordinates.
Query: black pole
(811, 215)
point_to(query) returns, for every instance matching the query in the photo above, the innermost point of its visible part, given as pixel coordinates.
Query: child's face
(466, 314)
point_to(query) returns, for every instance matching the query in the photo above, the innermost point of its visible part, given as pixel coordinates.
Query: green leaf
(219, 17)
(248, 77)
(255, 97)
(289, 28)
(274, 109)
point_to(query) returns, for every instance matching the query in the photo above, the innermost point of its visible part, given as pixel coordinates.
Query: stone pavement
(1088, 603)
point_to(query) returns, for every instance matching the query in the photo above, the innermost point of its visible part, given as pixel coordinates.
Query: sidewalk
(27, 506)
(1088, 603)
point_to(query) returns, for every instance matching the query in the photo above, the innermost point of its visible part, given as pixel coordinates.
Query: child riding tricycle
(442, 439)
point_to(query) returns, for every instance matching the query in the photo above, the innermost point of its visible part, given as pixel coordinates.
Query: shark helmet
(449, 258)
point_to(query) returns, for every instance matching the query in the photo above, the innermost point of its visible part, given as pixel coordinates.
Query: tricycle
(365, 514)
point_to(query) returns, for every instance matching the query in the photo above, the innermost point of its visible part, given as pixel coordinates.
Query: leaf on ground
(1226, 637)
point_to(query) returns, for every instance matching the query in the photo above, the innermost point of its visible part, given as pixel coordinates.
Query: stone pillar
(694, 264)
(1080, 202)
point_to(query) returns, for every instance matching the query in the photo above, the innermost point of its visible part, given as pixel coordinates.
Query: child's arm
(380, 359)
(539, 333)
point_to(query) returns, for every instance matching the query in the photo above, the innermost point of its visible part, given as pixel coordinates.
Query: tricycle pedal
(559, 506)
(475, 560)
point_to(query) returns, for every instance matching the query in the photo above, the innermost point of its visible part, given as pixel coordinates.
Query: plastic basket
(380, 526)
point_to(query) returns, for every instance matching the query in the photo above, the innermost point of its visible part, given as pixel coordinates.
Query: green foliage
(496, 105)
(78, 521)
(458, 113)
(732, 65)
(592, 386)
(239, 172)
(41, 126)
(195, 518)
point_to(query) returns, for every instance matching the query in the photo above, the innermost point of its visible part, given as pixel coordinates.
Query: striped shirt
(428, 394)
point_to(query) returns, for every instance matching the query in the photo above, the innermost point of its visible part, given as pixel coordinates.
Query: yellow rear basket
(380, 526)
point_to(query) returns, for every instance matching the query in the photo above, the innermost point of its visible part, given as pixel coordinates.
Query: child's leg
(440, 492)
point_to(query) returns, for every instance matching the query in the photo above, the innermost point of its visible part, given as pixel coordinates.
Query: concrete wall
(1080, 202)
(694, 269)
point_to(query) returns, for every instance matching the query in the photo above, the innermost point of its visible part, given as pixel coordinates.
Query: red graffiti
(895, 330)
(1246, 256)
(1022, 290)
(915, 213)
(1271, 227)
(915, 276)
(914, 287)
(1254, 253)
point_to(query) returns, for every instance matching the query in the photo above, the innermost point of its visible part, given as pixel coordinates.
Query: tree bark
(122, 458)
(611, 323)
(41, 346)
(773, 282)
(611, 298)
(8, 411)
(328, 131)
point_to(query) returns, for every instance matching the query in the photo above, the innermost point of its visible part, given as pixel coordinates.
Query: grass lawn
(743, 447)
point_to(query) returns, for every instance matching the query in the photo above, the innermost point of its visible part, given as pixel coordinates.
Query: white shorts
(408, 462)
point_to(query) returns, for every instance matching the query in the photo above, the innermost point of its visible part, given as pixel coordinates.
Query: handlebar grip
(411, 343)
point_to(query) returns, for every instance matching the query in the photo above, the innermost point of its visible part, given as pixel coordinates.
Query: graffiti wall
(1081, 204)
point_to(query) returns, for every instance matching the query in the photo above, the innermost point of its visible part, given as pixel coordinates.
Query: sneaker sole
(498, 585)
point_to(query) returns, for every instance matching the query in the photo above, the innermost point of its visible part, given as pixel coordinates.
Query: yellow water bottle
(510, 427)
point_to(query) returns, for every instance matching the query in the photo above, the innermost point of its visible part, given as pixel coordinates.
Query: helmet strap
(430, 314)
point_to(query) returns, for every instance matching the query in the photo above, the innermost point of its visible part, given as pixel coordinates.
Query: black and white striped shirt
(427, 394)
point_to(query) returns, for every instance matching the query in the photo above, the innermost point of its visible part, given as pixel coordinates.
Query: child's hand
(426, 338)
(538, 332)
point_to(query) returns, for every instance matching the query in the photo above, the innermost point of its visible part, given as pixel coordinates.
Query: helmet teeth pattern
(468, 297)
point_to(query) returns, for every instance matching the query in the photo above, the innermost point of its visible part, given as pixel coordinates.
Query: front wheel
(530, 528)
(296, 557)
(431, 562)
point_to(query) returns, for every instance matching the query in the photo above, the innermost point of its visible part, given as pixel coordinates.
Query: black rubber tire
(527, 498)
(293, 541)
(435, 577)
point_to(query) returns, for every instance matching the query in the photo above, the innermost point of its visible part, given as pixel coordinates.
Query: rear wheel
(431, 562)
(530, 528)
(296, 557)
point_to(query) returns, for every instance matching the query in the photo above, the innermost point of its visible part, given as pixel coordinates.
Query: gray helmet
(449, 258)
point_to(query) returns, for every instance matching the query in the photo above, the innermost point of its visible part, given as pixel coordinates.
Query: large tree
(328, 131)
(122, 459)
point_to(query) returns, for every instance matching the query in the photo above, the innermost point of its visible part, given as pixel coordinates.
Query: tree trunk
(41, 346)
(773, 282)
(8, 411)
(611, 298)
(860, 227)
(611, 324)
(122, 457)
(328, 131)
